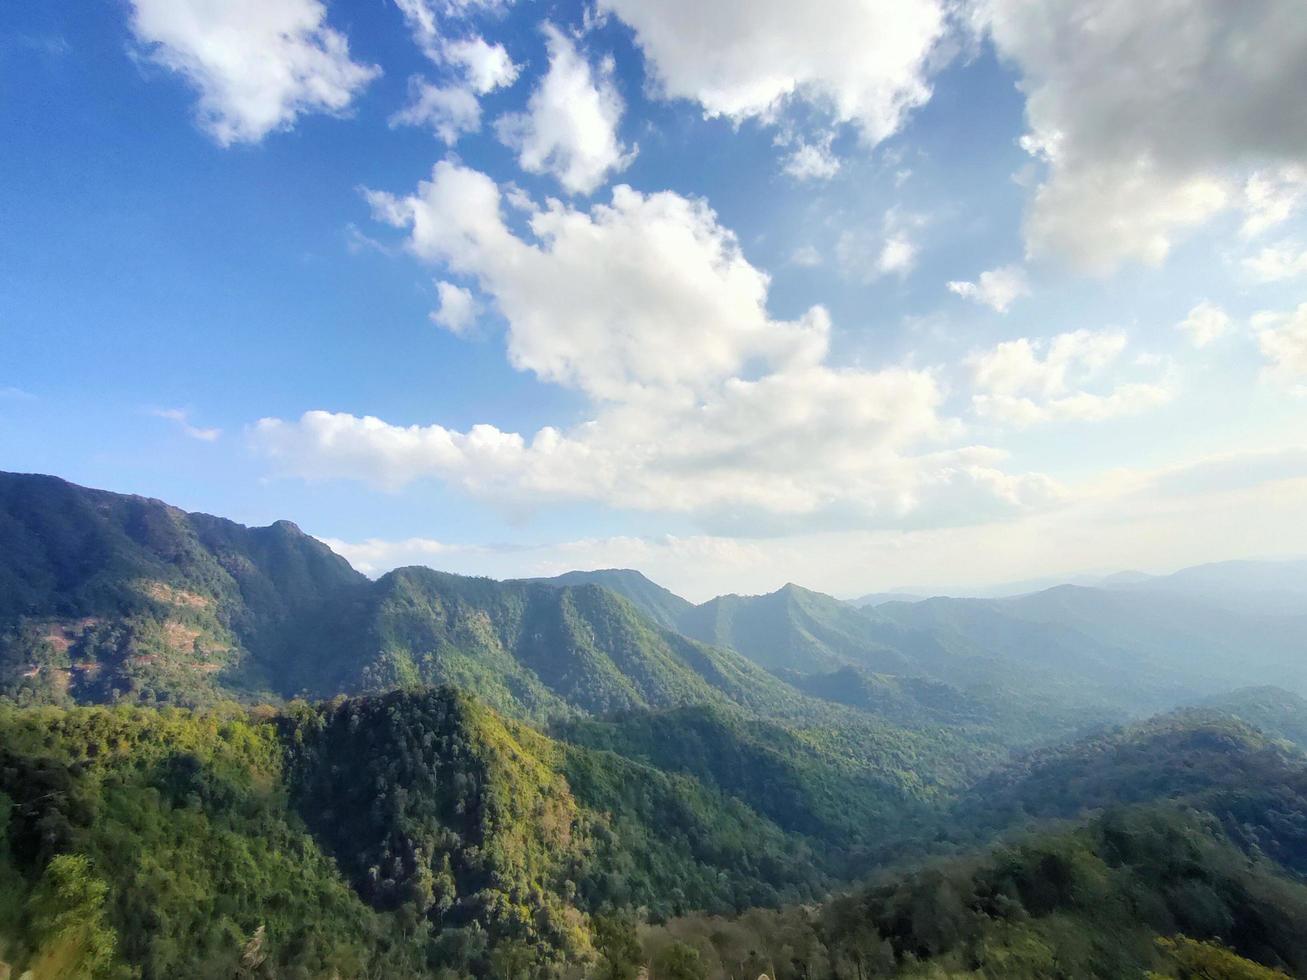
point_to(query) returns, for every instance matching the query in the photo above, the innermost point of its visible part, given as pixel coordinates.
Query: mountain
(879, 598)
(531, 650)
(1266, 587)
(110, 596)
(1150, 892)
(104, 595)
(1271, 710)
(662, 606)
(792, 629)
(371, 836)
(1189, 755)
(1172, 848)
(1140, 650)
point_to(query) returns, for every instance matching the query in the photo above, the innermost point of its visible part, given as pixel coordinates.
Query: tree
(679, 962)
(619, 949)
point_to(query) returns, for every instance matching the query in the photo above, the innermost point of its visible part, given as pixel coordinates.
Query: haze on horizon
(920, 294)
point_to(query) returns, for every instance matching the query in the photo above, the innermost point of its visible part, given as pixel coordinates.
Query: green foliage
(1195, 960)
(1093, 901)
(661, 606)
(68, 928)
(183, 818)
(619, 949)
(678, 961)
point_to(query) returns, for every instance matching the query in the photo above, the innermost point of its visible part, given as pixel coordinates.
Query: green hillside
(531, 650)
(373, 836)
(1174, 848)
(793, 629)
(105, 596)
(662, 606)
(1146, 892)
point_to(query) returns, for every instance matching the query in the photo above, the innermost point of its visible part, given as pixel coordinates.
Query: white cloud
(645, 292)
(861, 61)
(1271, 198)
(485, 66)
(452, 108)
(1137, 519)
(815, 446)
(183, 420)
(701, 402)
(997, 288)
(569, 129)
(1148, 113)
(1275, 263)
(866, 256)
(1024, 381)
(812, 161)
(449, 110)
(257, 64)
(458, 308)
(1205, 323)
(897, 256)
(806, 256)
(1282, 338)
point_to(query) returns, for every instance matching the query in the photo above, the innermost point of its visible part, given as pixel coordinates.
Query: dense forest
(224, 753)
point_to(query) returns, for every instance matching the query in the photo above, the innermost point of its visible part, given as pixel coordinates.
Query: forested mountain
(1154, 649)
(104, 595)
(532, 650)
(1178, 846)
(225, 753)
(1250, 586)
(662, 606)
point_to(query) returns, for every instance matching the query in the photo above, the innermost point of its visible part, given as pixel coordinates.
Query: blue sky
(907, 293)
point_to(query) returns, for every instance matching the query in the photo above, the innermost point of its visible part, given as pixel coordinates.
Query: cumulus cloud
(474, 67)
(1022, 382)
(1271, 198)
(702, 403)
(1275, 263)
(1145, 113)
(458, 308)
(1205, 323)
(485, 66)
(997, 288)
(866, 256)
(645, 292)
(861, 61)
(1282, 338)
(806, 256)
(570, 125)
(448, 110)
(257, 65)
(811, 161)
(1139, 519)
(183, 420)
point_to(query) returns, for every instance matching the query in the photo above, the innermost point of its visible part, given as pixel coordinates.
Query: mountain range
(335, 775)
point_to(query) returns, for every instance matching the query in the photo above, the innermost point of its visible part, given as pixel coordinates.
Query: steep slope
(800, 786)
(1139, 651)
(1271, 710)
(531, 650)
(793, 629)
(1152, 892)
(380, 836)
(164, 843)
(104, 595)
(1274, 587)
(662, 606)
(1186, 859)
(1197, 756)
